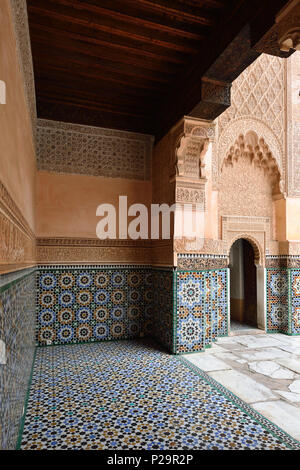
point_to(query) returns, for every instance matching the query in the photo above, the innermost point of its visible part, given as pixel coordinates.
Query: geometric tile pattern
(277, 300)
(98, 303)
(92, 304)
(162, 321)
(129, 395)
(17, 326)
(191, 319)
(219, 302)
(202, 309)
(294, 301)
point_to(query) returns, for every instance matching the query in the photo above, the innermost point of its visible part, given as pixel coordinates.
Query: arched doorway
(243, 286)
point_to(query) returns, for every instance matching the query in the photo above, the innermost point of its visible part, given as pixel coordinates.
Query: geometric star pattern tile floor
(132, 395)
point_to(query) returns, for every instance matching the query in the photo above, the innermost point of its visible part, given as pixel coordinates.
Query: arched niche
(250, 127)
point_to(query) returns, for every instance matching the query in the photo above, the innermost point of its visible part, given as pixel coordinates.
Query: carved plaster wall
(257, 104)
(72, 148)
(293, 124)
(246, 203)
(17, 240)
(20, 20)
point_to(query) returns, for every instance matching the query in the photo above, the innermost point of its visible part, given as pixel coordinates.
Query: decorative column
(188, 169)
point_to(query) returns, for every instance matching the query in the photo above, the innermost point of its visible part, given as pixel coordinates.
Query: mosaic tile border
(6, 280)
(283, 261)
(196, 261)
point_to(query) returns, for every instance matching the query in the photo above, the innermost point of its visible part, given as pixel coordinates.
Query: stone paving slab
(263, 369)
(207, 363)
(283, 414)
(290, 363)
(243, 386)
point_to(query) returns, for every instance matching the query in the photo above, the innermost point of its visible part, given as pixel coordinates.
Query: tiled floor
(263, 370)
(131, 395)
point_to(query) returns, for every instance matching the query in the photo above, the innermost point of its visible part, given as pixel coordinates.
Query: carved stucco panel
(243, 126)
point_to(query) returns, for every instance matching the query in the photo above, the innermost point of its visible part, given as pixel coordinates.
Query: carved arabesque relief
(255, 149)
(190, 154)
(191, 138)
(73, 148)
(243, 126)
(257, 249)
(257, 103)
(20, 19)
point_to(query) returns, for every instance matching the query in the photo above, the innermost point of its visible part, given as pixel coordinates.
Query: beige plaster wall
(293, 219)
(17, 156)
(66, 204)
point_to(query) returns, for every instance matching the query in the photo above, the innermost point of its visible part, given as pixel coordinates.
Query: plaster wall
(17, 162)
(66, 204)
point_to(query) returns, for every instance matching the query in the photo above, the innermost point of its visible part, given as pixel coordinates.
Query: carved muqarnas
(258, 152)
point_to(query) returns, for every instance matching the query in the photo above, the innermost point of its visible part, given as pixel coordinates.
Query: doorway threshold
(237, 328)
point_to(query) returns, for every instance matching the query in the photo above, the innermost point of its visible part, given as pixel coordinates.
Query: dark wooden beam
(95, 25)
(221, 59)
(78, 114)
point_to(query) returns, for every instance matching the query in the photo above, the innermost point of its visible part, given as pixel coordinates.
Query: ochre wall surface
(17, 156)
(17, 162)
(66, 204)
(293, 219)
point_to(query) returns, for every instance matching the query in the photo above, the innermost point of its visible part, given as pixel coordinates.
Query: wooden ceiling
(115, 63)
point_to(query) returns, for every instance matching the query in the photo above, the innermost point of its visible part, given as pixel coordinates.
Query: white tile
(257, 341)
(215, 349)
(227, 355)
(292, 348)
(243, 386)
(291, 363)
(292, 397)
(295, 386)
(265, 354)
(271, 369)
(283, 414)
(207, 362)
(287, 339)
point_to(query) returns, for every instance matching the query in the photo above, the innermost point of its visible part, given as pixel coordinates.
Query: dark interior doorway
(243, 290)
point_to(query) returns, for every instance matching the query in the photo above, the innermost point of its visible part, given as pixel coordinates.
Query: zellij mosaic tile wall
(183, 310)
(79, 304)
(202, 309)
(283, 300)
(17, 325)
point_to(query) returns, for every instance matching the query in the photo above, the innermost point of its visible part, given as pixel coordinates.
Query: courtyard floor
(263, 370)
(133, 395)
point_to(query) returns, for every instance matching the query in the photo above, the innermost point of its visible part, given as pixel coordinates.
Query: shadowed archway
(243, 284)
